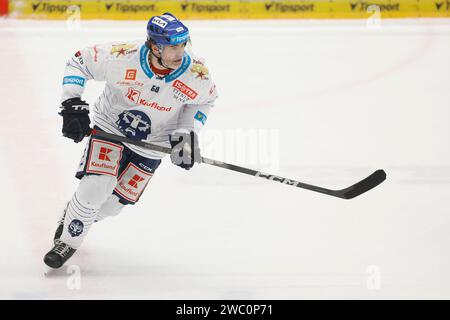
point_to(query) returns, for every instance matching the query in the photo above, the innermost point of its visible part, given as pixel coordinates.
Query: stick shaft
(348, 193)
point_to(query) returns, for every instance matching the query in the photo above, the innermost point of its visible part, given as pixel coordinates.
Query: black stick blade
(363, 186)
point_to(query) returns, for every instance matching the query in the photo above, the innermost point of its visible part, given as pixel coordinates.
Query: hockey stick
(348, 193)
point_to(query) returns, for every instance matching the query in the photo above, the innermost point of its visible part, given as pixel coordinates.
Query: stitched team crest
(134, 124)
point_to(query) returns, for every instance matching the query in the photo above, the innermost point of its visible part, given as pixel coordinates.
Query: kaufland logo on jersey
(180, 86)
(135, 96)
(129, 191)
(104, 155)
(135, 180)
(154, 105)
(132, 182)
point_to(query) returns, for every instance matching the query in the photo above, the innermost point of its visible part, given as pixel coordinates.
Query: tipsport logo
(179, 39)
(210, 8)
(124, 7)
(364, 6)
(48, 7)
(443, 6)
(79, 81)
(289, 7)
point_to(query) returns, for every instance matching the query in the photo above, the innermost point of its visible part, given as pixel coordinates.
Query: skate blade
(49, 272)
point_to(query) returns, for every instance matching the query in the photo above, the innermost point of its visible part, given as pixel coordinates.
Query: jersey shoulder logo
(199, 69)
(123, 49)
(200, 116)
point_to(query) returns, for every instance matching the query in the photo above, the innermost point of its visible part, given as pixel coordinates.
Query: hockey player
(155, 91)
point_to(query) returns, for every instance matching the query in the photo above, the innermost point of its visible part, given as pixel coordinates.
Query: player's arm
(184, 140)
(86, 64)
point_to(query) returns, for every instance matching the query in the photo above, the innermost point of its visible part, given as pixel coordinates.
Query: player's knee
(94, 190)
(111, 207)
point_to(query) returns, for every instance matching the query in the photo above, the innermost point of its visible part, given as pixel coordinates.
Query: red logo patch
(133, 95)
(103, 154)
(135, 180)
(132, 182)
(130, 74)
(185, 89)
(104, 157)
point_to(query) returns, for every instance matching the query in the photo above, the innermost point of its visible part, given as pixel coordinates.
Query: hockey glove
(185, 149)
(75, 113)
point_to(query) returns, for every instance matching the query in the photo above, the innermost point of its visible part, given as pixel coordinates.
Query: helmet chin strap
(159, 59)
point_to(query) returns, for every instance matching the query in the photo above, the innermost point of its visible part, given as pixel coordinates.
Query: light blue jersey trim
(143, 57)
(144, 61)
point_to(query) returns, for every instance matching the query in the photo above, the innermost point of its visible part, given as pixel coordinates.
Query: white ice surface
(337, 99)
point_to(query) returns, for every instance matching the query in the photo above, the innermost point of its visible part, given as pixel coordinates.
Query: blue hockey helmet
(167, 30)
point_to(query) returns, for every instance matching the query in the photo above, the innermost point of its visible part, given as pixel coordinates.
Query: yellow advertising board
(244, 9)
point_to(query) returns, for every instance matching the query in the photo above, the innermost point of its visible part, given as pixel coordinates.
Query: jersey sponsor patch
(200, 116)
(130, 74)
(123, 49)
(132, 182)
(154, 105)
(184, 89)
(79, 57)
(133, 95)
(104, 157)
(130, 83)
(79, 81)
(200, 71)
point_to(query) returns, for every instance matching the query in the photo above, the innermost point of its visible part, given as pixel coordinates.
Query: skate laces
(61, 248)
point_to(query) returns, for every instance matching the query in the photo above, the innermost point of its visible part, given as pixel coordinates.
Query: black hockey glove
(75, 113)
(185, 149)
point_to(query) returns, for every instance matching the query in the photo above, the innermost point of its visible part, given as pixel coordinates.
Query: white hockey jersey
(136, 102)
